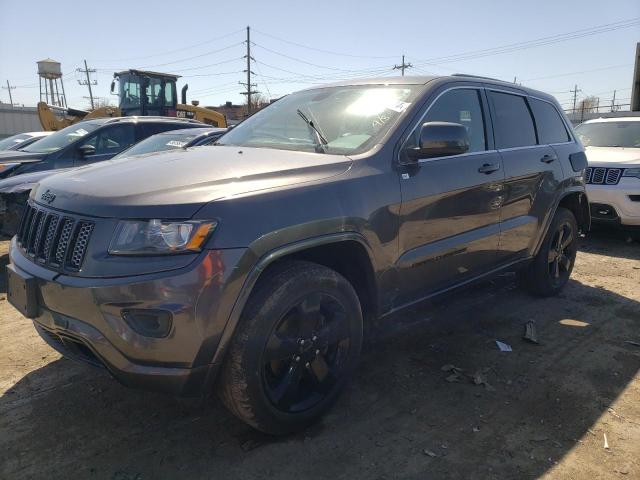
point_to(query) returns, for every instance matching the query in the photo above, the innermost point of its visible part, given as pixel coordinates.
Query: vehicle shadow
(614, 242)
(402, 417)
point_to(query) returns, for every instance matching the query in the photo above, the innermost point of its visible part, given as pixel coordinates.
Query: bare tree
(103, 102)
(588, 104)
(258, 101)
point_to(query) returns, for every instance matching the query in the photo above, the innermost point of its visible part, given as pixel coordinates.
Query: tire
(551, 268)
(271, 379)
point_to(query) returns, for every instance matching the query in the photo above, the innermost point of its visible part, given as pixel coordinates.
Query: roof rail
(477, 76)
(157, 117)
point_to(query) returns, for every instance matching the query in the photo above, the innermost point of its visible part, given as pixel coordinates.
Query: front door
(108, 142)
(450, 212)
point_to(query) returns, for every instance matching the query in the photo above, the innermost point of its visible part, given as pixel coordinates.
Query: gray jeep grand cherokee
(252, 268)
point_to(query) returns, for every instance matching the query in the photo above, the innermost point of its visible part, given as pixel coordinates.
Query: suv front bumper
(620, 197)
(83, 319)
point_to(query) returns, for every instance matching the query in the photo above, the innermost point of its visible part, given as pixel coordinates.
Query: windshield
(158, 143)
(13, 141)
(610, 134)
(351, 119)
(62, 138)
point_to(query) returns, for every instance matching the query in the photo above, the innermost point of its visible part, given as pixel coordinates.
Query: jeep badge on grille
(48, 197)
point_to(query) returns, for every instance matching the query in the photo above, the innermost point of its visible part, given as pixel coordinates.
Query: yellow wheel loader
(141, 93)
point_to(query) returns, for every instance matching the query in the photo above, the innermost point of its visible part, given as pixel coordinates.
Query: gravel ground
(539, 411)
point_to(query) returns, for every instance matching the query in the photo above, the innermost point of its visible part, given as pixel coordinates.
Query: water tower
(50, 75)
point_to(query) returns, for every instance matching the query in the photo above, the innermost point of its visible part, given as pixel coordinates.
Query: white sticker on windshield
(81, 132)
(399, 106)
(176, 143)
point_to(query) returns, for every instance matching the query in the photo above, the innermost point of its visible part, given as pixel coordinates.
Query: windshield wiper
(320, 140)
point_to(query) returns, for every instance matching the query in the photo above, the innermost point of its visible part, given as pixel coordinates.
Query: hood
(26, 181)
(10, 156)
(176, 183)
(613, 156)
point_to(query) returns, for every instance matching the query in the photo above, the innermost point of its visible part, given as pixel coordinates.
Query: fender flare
(584, 224)
(252, 277)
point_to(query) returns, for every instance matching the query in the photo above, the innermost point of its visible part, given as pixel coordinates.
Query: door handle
(489, 168)
(548, 158)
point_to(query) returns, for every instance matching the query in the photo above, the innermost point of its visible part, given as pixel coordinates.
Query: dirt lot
(544, 413)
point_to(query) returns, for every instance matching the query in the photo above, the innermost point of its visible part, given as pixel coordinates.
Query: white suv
(612, 146)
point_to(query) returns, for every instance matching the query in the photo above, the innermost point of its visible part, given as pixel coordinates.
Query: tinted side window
(465, 107)
(513, 123)
(550, 126)
(113, 139)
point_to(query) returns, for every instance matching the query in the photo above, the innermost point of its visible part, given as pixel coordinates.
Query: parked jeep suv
(612, 147)
(253, 268)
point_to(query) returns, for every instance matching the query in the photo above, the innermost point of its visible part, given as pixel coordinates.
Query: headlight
(631, 172)
(159, 237)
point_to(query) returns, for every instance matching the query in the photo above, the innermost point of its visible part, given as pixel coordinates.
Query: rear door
(532, 173)
(449, 223)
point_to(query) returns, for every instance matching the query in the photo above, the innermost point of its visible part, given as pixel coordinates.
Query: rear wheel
(298, 340)
(551, 268)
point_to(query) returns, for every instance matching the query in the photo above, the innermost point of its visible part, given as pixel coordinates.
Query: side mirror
(440, 139)
(113, 85)
(87, 150)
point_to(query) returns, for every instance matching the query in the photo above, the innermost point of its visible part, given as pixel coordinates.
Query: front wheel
(551, 268)
(298, 340)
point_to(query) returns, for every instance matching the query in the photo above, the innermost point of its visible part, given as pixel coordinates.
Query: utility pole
(88, 81)
(613, 102)
(9, 88)
(575, 96)
(402, 66)
(249, 85)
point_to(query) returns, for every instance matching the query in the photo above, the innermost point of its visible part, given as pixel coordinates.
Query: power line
(266, 85)
(211, 52)
(216, 74)
(324, 75)
(542, 41)
(322, 50)
(169, 52)
(300, 60)
(566, 74)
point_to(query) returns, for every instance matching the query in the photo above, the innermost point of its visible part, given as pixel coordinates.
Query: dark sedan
(184, 138)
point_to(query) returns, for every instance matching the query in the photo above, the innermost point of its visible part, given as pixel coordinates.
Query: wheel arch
(329, 250)
(574, 200)
(578, 204)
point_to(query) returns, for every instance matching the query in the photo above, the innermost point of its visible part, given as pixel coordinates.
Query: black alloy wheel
(305, 354)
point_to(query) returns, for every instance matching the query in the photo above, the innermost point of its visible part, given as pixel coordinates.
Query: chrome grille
(54, 239)
(84, 230)
(63, 241)
(602, 176)
(613, 176)
(598, 175)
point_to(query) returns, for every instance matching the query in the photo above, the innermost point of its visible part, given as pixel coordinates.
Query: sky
(548, 45)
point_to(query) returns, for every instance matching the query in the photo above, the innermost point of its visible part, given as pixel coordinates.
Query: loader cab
(146, 93)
